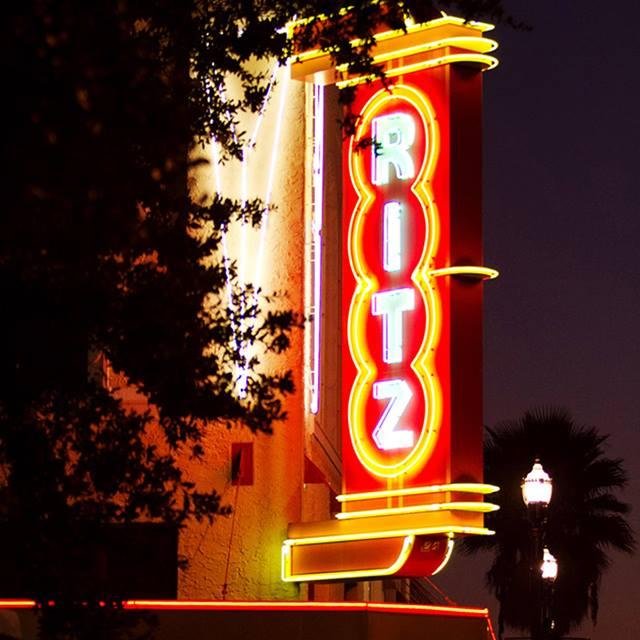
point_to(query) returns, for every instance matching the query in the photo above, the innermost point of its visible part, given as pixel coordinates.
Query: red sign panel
(411, 371)
(396, 375)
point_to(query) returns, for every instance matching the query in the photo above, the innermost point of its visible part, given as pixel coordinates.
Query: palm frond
(584, 522)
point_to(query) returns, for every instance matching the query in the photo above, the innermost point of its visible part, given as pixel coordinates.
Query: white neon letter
(392, 235)
(392, 137)
(386, 434)
(390, 305)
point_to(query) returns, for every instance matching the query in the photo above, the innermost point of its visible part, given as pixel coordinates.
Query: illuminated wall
(243, 550)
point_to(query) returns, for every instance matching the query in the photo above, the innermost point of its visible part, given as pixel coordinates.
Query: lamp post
(548, 573)
(549, 568)
(537, 488)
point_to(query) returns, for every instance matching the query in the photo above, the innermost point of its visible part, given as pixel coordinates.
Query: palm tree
(585, 519)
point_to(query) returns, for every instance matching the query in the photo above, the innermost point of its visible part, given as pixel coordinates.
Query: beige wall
(245, 547)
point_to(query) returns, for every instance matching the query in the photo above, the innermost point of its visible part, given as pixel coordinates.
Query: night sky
(562, 224)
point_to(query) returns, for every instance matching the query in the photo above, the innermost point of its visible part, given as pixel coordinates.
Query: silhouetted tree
(585, 519)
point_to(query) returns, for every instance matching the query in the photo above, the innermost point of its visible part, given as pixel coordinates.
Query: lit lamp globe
(537, 486)
(549, 566)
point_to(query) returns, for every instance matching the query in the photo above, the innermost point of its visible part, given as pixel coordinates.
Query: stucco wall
(243, 550)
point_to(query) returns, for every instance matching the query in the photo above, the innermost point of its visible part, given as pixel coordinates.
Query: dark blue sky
(562, 224)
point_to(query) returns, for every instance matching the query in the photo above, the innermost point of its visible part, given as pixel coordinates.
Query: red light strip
(306, 606)
(490, 629)
(204, 605)
(16, 603)
(427, 610)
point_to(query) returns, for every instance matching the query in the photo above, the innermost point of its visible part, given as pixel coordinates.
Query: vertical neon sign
(393, 320)
(411, 299)
(412, 407)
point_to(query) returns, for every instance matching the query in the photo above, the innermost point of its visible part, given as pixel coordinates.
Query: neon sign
(411, 299)
(393, 321)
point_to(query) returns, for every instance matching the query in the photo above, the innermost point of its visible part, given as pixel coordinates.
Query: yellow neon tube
(485, 273)
(375, 535)
(462, 487)
(410, 25)
(474, 44)
(478, 507)
(287, 575)
(445, 561)
(489, 61)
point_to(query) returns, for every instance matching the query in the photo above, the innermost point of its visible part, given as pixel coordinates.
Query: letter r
(392, 137)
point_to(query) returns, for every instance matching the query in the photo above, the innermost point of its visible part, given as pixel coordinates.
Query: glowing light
(490, 631)
(386, 434)
(241, 372)
(318, 206)
(225, 249)
(252, 605)
(360, 306)
(405, 147)
(411, 27)
(392, 137)
(275, 154)
(283, 605)
(447, 557)
(17, 603)
(472, 44)
(537, 486)
(391, 305)
(478, 507)
(246, 149)
(549, 567)
(462, 487)
(244, 167)
(243, 261)
(215, 605)
(470, 270)
(489, 62)
(445, 611)
(392, 236)
(403, 556)
(477, 44)
(392, 533)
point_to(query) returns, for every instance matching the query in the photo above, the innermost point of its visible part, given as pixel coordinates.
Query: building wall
(238, 557)
(297, 469)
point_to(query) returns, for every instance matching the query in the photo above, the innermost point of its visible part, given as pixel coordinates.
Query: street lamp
(537, 488)
(549, 573)
(549, 567)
